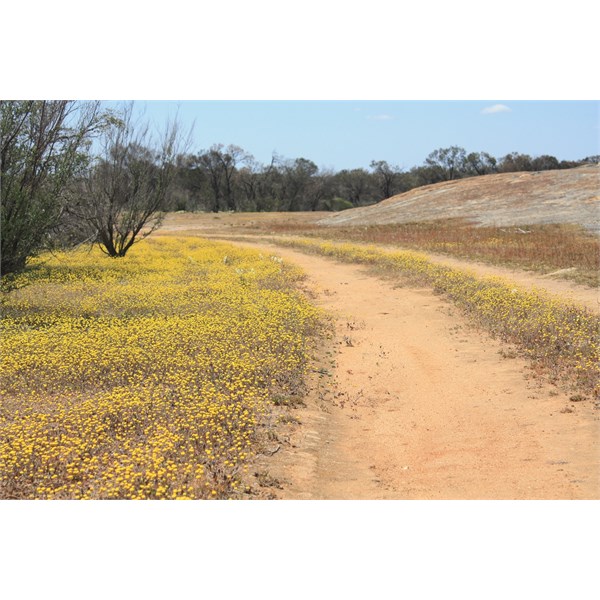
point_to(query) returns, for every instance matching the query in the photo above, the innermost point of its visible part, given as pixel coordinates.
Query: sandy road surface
(420, 406)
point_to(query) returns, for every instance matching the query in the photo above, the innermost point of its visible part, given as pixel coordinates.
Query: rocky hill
(524, 198)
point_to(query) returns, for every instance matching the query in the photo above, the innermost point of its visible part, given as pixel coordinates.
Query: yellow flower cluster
(149, 376)
(561, 336)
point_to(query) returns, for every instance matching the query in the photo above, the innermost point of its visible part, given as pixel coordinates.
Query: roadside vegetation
(561, 338)
(570, 249)
(154, 377)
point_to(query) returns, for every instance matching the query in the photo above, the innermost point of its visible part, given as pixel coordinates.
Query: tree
(297, 176)
(355, 185)
(446, 164)
(258, 184)
(268, 193)
(127, 185)
(595, 159)
(479, 163)
(43, 144)
(386, 177)
(221, 166)
(320, 188)
(515, 162)
(188, 185)
(545, 163)
(248, 178)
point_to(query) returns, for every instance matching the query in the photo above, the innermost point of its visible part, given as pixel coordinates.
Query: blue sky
(349, 134)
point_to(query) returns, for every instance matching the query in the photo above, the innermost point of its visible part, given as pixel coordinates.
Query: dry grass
(543, 248)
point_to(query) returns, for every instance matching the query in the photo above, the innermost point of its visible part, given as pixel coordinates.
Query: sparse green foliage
(43, 144)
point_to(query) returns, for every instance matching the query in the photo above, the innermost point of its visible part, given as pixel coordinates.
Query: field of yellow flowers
(562, 338)
(146, 377)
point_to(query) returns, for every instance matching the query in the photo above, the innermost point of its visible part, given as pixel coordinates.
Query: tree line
(73, 172)
(225, 178)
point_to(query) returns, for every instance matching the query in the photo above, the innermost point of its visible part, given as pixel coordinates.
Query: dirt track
(419, 406)
(234, 226)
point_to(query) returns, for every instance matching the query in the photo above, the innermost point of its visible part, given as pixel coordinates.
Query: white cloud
(380, 117)
(496, 108)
